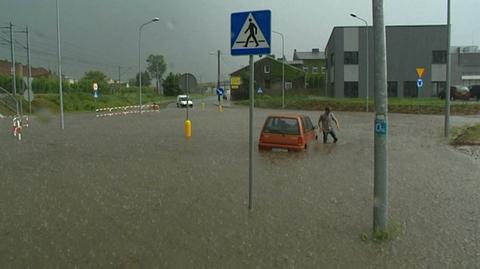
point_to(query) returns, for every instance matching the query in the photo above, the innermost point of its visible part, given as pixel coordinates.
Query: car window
(282, 126)
(307, 123)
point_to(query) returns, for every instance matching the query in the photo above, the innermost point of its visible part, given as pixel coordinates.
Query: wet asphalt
(131, 192)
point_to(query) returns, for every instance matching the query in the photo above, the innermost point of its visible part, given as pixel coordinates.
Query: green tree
(93, 76)
(146, 79)
(171, 86)
(156, 67)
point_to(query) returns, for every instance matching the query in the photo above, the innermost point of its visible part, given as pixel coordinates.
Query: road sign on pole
(419, 83)
(250, 32)
(28, 95)
(420, 72)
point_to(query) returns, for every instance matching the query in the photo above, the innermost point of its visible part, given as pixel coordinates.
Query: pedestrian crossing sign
(250, 32)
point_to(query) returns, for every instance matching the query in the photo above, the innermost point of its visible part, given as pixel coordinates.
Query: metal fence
(8, 102)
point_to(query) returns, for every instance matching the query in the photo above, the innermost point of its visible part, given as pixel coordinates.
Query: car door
(309, 130)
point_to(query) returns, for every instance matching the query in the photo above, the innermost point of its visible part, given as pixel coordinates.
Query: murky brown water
(131, 192)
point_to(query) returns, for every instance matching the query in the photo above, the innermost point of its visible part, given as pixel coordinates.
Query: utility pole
(119, 75)
(218, 75)
(380, 206)
(447, 90)
(60, 86)
(29, 73)
(14, 71)
(156, 78)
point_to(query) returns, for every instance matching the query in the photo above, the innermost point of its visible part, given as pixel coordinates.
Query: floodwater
(131, 192)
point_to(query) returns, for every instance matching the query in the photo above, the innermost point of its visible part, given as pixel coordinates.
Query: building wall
(465, 64)
(408, 48)
(270, 82)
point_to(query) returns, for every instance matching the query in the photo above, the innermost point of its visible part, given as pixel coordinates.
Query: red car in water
(290, 132)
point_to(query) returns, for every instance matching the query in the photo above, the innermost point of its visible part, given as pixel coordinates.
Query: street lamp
(366, 31)
(283, 67)
(218, 71)
(139, 55)
(59, 56)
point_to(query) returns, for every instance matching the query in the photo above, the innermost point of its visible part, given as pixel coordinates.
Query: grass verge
(81, 101)
(395, 105)
(466, 136)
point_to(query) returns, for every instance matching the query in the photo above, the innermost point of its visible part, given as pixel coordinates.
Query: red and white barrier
(125, 110)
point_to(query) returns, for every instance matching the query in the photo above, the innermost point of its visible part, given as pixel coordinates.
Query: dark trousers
(332, 133)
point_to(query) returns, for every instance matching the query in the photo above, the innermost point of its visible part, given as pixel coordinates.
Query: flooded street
(131, 192)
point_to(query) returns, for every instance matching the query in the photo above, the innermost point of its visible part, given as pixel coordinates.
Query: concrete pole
(60, 86)
(380, 211)
(29, 73)
(251, 148)
(14, 68)
(367, 67)
(447, 90)
(218, 75)
(283, 73)
(140, 69)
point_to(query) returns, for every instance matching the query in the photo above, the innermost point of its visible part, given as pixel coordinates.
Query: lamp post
(139, 56)
(59, 56)
(366, 34)
(283, 67)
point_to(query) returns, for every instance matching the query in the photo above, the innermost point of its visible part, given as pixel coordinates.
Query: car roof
(286, 116)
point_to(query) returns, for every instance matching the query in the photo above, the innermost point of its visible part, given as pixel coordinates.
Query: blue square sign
(250, 32)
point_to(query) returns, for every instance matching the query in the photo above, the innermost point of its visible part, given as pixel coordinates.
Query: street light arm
(359, 18)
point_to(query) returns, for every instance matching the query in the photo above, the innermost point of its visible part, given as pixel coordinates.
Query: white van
(184, 100)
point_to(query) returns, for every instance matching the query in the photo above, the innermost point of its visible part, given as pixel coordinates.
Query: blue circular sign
(419, 83)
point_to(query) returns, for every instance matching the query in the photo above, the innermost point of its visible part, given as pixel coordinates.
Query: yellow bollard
(203, 105)
(188, 129)
(220, 108)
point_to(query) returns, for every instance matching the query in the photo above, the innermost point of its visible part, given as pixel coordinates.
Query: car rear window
(282, 126)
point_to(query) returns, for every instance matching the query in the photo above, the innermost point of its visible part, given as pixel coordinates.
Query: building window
(350, 89)
(439, 57)
(332, 59)
(315, 69)
(351, 57)
(266, 69)
(305, 69)
(410, 89)
(392, 89)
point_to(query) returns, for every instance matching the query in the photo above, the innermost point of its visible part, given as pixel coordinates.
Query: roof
(300, 62)
(393, 26)
(309, 55)
(272, 59)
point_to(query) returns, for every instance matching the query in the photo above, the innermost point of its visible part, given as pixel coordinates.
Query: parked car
(292, 132)
(457, 92)
(475, 92)
(183, 101)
